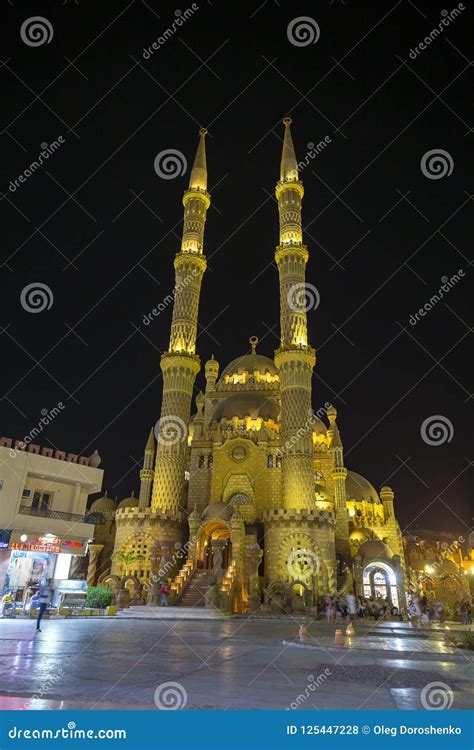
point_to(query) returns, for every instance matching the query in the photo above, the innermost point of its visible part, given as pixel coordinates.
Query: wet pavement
(233, 664)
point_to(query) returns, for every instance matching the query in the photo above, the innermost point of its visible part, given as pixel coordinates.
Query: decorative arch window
(278, 460)
(210, 461)
(270, 462)
(201, 462)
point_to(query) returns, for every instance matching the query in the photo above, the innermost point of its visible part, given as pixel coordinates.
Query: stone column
(94, 551)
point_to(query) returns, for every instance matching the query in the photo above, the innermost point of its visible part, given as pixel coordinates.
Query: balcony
(93, 518)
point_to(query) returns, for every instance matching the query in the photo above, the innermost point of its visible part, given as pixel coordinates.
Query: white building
(43, 525)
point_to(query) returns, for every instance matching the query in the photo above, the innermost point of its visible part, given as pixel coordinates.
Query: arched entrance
(380, 582)
(215, 546)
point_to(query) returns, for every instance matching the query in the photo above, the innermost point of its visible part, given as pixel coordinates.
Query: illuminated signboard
(49, 544)
(4, 538)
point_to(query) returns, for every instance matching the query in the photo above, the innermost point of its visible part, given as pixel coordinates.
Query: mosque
(247, 503)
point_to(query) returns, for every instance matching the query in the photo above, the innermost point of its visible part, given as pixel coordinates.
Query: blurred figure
(45, 594)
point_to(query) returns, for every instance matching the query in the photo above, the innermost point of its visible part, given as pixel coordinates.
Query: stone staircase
(153, 612)
(195, 593)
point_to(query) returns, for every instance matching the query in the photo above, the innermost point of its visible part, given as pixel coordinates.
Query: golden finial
(203, 131)
(253, 340)
(287, 121)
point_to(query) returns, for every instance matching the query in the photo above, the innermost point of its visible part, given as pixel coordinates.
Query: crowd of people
(349, 607)
(341, 608)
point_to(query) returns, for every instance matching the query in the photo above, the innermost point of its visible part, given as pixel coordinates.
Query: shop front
(33, 559)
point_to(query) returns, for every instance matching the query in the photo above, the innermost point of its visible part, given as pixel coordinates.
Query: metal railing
(27, 510)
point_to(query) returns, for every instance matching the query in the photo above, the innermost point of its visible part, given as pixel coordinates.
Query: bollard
(350, 631)
(339, 638)
(303, 632)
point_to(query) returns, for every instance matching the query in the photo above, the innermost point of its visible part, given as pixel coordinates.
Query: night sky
(99, 227)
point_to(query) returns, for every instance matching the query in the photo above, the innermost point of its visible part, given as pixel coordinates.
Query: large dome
(129, 502)
(359, 488)
(103, 504)
(218, 511)
(243, 405)
(251, 363)
(374, 549)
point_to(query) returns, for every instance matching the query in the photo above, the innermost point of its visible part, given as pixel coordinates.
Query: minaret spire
(180, 364)
(295, 359)
(288, 164)
(198, 178)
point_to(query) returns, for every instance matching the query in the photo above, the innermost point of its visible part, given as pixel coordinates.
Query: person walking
(351, 606)
(164, 594)
(44, 598)
(330, 609)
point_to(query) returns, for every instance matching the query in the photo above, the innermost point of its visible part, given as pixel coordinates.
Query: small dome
(103, 504)
(241, 405)
(95, 460)
(359, 488)
(217, 511)
(374, 549)
(319, 428)
(129, 502)
(361, 534)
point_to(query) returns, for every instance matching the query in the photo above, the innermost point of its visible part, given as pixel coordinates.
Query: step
(170, 613)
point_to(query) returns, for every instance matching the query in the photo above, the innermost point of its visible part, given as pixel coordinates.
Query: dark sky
(100, 228)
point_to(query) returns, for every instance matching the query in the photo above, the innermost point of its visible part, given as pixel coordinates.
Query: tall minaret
(295, 359)
(339, 474)
(180, 364)
(146, 474)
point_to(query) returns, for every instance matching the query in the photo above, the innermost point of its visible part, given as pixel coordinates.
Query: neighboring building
(249, 500)
(44, 530)
(439, 564)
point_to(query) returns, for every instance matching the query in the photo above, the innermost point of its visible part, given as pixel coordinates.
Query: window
(209, 461)
(1, 484)
(26, 494)
(41, 500)
(270, 462)
(201, 462)
(278, 461)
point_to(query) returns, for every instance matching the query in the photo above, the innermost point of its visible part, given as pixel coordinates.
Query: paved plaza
(233, 664)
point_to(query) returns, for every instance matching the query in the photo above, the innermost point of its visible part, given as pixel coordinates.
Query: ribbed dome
(242, 405)
(129, 502)
(374, 549)
(251, 363)
(359, 488)
(218, 511)
(103, 504)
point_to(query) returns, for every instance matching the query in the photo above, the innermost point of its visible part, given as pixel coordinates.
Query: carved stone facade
(253, 487)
